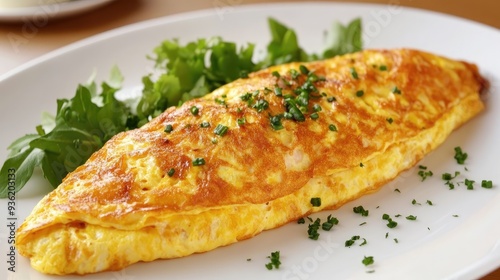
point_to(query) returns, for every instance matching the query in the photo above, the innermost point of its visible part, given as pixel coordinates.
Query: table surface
(56, 33)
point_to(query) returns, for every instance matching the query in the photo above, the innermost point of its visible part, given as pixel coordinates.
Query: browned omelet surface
(378, 113)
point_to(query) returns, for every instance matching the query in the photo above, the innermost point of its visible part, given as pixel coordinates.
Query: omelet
(250, 157)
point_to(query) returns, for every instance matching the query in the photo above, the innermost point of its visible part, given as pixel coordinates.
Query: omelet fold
(150, 194)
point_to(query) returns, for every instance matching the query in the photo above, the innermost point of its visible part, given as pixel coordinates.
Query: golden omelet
(249, 157)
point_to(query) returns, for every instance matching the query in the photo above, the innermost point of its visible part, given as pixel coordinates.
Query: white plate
(436, 246)
(42, 13)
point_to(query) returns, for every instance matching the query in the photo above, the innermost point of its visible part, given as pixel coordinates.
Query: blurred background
(28, 32)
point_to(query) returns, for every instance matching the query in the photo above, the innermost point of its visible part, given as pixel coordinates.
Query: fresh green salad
(85, 122)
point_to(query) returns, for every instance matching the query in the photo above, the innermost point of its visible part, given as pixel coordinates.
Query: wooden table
(57, 33)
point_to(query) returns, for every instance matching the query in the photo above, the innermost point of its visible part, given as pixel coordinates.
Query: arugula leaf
(284, 46)
(81, 126)
(23, 163)
(344, 39)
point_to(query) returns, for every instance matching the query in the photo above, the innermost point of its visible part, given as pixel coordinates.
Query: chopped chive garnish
(194, 110)
(205, 124)
(332, 127)
(312, 230)
(294, 73)
(276, 122)
(460, 156)
(411, 217)
(218, 101)
(301, 221)
(396, 90)
(275, 74)
(360, 210)
(423, 173)
(487, 184)
(389, 120)
(169, 128)
(303, 70)
(278, 91)
(314, 116)
(316, 201)
(241, 121)
(317, 108)
(360, 93)
(469, 184)
(171, 172)
(330, 222)
(354, 73)
(363, 243)
(429, 202)
(331, 99)
(368, 260)
(397, 190)
(220, 130)
(382, 68)
(275, 260)
(414, 202)
(261, 105)
(448, 176)
(198, 161)
(390, 222)
(396, 240)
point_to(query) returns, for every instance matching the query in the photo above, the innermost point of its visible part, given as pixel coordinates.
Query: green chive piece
(317, 108)
(469, 184)
(261, 105)
(171, 172)
(411, 218)
(316, 201)
(169, 128)
(276, 122)
(205, 124)
(460, 156)
(221, 130)
(389, 120)
(360, 210)
(278, 91)
(241, 121)
(368, 260)
(312, 230)
(382, 68)
(303, 70)
(294, 73)
(194, 110)
(396, 90)
(354, 73)
(275, 260)
(487, 184)
(275, 74)
(198, 161)
(360, 93)
(332, 127)
(314, 116)
(331, 99)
